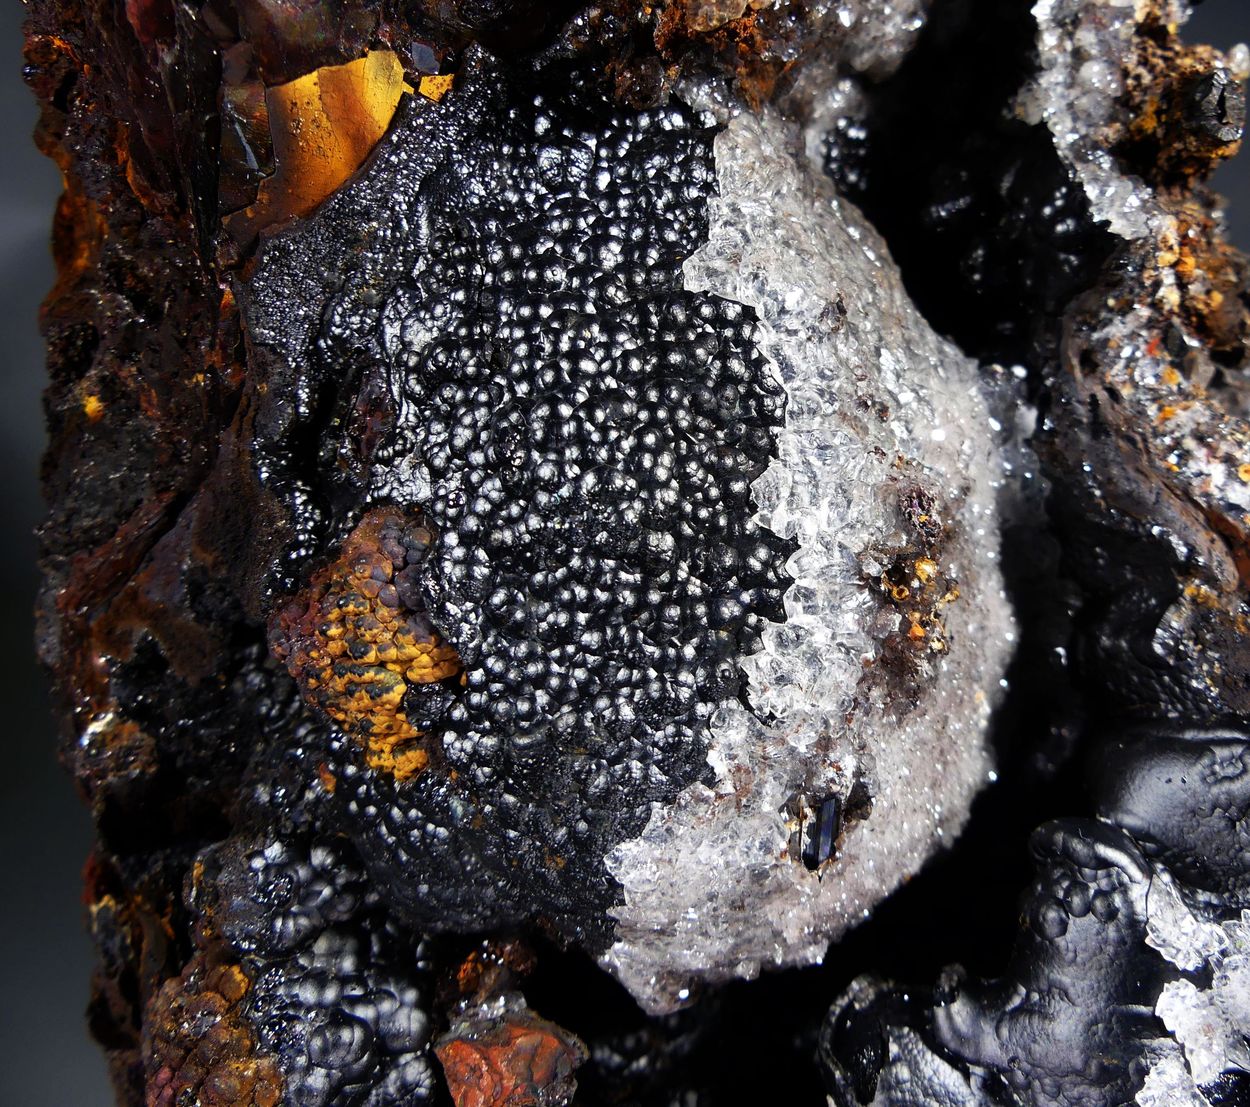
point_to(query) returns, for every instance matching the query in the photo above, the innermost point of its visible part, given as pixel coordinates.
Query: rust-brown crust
(133, 929)
(743, 40)
(1183, 114)
(199, 1046)
(497, 1052)
(517, 1062)
(648, 46)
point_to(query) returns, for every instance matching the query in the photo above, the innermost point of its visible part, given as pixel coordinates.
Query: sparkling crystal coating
(886, 472)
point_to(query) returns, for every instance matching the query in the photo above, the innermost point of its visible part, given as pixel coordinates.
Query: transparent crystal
(1168, 1082)
(1084, 48)
(1211, 1022)
(876, 401)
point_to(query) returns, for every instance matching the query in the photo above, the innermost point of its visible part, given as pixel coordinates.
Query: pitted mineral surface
(868, 705)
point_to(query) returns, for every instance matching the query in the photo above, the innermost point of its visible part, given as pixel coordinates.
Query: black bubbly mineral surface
(339, 996)
(991, 229)
(580, 435)
(460, 452)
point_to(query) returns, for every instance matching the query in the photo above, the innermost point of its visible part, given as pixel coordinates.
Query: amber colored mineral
(323, 126)
(358, 640)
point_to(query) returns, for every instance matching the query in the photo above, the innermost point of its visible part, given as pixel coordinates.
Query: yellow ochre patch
(356, 648)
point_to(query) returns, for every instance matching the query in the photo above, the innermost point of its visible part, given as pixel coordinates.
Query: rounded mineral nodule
(713, 530)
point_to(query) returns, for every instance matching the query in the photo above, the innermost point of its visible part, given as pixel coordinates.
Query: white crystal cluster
(1167, 1082)
(1084, 49)
(876, 401)
(1210, 1021)
(1174, 930)
(879, 33)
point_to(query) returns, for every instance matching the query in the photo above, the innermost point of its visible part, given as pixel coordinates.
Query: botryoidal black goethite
(580, 435)
(337, 995)
(543, 537)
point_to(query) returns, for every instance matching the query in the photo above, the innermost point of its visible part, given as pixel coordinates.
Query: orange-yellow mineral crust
(199, 1046)
(355, 648)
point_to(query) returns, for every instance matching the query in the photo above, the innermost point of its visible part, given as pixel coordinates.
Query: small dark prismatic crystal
(560, 511)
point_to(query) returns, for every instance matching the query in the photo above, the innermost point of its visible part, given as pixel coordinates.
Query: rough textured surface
(505, 1055)
(581, 423)
(1126, 979)
(874, 694)
(339, 999)
(200, 1046)
(753, 50)
(581, 436)
(363, 649)
(509, 520)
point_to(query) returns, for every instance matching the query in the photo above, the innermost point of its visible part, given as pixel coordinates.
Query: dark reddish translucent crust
(153, 614)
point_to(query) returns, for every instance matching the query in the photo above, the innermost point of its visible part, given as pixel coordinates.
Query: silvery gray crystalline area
(637, 533)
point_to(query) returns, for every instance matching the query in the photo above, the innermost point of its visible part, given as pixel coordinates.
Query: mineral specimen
(512, 519)
(581, 418)
(875, 691)
(498, 1051)
(1118, 988)
(581, 436)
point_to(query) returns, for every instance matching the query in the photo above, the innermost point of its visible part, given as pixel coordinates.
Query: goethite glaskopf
(518, 537)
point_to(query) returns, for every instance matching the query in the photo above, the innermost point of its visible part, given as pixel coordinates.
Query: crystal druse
(714, 527)
(524, 558)
(875, 691)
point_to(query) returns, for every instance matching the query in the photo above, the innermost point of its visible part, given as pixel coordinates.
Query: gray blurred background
(49, 1061)
(44, 832)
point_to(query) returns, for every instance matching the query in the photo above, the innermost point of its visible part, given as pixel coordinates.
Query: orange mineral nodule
(355, 646)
